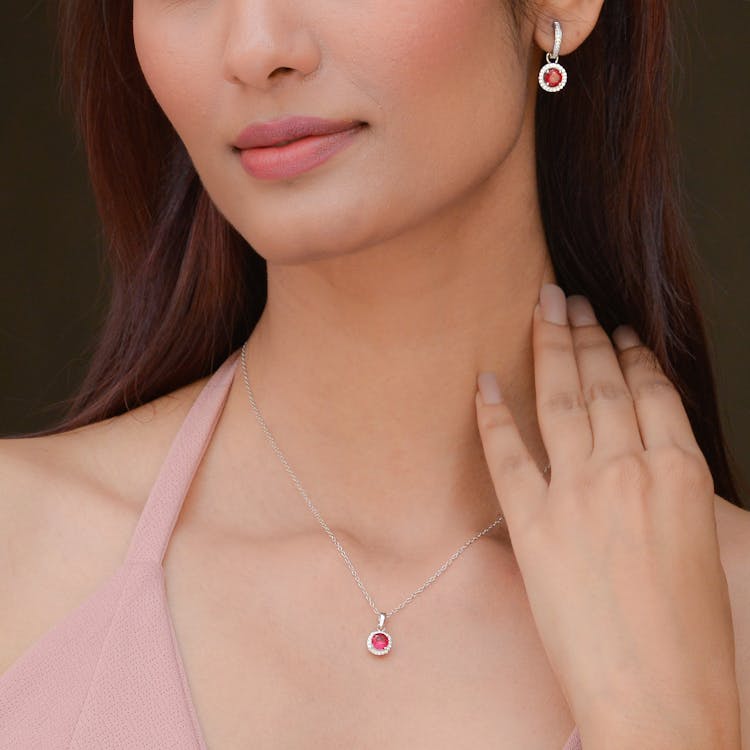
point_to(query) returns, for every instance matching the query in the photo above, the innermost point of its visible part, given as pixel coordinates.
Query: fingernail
(580, 312)
(552, 300)
(625, 337)
(489, 388)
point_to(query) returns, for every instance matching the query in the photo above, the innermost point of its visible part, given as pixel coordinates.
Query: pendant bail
(381, 620)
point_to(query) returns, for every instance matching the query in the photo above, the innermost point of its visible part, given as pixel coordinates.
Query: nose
(265, 40)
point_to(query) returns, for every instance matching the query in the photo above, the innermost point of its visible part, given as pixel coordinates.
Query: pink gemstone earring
(552, 76)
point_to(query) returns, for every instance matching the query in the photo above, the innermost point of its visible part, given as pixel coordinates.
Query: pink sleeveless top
(110, 676)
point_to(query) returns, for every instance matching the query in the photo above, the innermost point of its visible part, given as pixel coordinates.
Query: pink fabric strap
(159, 516)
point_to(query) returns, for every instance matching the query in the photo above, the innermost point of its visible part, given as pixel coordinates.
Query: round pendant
(553, 77)
(379, 642)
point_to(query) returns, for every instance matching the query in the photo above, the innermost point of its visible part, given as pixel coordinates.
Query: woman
(169, 587)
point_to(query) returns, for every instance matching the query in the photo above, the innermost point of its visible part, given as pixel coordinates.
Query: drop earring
(552, 76)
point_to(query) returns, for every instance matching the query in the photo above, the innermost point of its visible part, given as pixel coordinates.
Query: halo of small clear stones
(563, 73)
(379, 651)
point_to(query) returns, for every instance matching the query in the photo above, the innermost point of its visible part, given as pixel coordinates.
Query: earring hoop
(552, 76)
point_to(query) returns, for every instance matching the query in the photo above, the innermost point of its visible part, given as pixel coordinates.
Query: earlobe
(577, 18)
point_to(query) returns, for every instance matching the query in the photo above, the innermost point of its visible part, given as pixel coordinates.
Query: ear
(577, 18)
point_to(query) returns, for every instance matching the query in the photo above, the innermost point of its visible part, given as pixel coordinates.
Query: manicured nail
(625, 337)
(489, 388)
(580, 312)
(552, 300)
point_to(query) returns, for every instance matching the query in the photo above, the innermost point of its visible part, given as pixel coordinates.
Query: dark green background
(53, 284)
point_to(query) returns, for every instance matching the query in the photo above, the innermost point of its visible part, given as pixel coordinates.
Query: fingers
(561, 408)
(611, 412)
(661, 414)
(589, 397)
(518, 481)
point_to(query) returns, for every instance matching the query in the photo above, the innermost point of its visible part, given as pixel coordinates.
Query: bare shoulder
(68, 505)
(733, 529)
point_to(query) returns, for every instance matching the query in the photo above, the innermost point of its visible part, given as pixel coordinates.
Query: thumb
(518, 482)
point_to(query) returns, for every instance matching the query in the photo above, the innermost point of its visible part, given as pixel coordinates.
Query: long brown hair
(187, 289)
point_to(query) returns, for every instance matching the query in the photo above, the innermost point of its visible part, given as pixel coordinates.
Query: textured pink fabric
(110, 675)
(574, 741)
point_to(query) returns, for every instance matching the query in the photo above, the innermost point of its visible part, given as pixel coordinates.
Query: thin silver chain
(328, 531)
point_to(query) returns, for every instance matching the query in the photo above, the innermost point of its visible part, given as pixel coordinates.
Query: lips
(286, 162)
(285, 130)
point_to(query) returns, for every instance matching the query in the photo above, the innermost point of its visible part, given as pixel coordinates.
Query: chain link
(328, 531)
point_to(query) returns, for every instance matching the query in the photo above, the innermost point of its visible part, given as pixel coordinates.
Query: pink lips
(313, 141)
(288, 129)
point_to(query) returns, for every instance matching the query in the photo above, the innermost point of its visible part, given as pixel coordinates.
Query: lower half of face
(440, 84)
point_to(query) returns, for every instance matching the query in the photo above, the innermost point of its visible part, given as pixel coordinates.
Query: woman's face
(442, 85)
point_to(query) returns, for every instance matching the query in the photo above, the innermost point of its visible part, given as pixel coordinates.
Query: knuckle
(606, 390)
(639, 356)
(654, 387)
(513, 463)
(565, 402)
(591, 339)
(668, 459)
(626, 471)
(685, 468)
(556, 343)
(495, 418)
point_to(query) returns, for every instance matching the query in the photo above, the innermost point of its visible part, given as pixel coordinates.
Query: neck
(364, 367)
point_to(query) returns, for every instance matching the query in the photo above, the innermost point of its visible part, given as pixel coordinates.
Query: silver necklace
(379, 642)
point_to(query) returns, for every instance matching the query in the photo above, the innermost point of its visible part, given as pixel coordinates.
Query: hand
(619, 553)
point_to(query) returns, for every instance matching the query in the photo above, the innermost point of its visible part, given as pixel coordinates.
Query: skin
(369, 267)
(391, 287)
(645, 593)
(362, 272)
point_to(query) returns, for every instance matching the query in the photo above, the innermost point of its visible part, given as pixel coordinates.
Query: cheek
(452, 87)
(448, 57)
(176, 62)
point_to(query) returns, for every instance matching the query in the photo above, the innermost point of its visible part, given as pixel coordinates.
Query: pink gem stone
(380, 641)
(553, 77)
